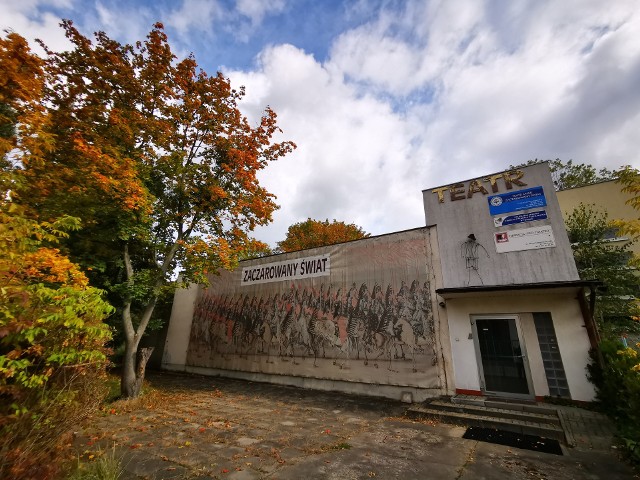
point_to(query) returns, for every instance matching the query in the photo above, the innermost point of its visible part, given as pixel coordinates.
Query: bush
(52, 346)
(617, 384)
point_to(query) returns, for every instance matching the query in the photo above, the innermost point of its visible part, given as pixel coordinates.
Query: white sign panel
(294, 269)
(524, 239)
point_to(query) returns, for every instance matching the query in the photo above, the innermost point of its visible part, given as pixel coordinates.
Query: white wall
(177, 342)
(392, 368)
(457, 216)
(571, 333)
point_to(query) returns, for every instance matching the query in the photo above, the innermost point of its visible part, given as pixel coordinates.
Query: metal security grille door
(502, 358)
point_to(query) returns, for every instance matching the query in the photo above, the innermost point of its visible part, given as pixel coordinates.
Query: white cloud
(126, 23)
(480, 87)
(352, 148)
(257, 9)
(195, 16)
(211, 18)
(412, 98)
(32, 22)
(562, 93)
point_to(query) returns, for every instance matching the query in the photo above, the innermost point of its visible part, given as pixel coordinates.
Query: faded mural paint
(370, 320)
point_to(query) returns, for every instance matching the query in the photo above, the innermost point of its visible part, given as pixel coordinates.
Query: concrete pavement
(202, 427)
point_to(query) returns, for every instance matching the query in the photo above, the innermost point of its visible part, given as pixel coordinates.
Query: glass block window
(553, 367)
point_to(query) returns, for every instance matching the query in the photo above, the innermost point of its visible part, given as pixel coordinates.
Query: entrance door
(501, 357)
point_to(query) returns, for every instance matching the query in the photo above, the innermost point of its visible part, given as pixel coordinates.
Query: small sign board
(524, 239)
(515, 201)
(504, 220)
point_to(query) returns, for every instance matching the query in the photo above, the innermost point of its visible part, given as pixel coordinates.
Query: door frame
(523, 349)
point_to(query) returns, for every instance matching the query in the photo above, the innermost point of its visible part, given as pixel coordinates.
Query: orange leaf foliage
(22, 115)
(315, 233)
(48, 265)
(154, 147)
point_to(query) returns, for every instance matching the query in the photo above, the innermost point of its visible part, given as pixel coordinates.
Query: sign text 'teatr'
(460, 191)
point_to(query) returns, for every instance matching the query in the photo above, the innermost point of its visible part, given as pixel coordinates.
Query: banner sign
(520, 218)
(514, 201)
(524, 239)
(294, 269)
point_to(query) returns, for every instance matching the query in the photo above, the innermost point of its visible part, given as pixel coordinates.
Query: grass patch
(105, 466)
(340, 446)
(113, 385)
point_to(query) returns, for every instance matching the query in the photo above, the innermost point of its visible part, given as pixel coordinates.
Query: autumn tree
(254, 249)
(22, 115)
(52, 336)
(156, 158)
(316, 233)
(572, 175)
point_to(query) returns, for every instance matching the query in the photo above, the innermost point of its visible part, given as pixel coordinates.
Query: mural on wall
(365, 323)
(364, 313)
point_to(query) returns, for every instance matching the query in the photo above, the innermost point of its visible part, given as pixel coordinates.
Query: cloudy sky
(386, 98)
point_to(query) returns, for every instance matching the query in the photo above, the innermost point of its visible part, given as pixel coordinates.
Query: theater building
(484, 299)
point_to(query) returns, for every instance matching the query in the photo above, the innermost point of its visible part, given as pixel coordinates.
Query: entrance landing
(573, 426)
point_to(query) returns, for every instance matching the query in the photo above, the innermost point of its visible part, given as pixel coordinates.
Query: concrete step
(488, 418)
(502, 410)
(531, 407)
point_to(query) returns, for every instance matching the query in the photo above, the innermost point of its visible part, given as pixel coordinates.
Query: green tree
(156, 158)
(52, 336)
(316, 233)
(599, 259)
(630, 180)
(572, 175)
(52, 343)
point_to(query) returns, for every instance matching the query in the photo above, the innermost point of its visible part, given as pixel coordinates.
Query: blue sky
(386, 98)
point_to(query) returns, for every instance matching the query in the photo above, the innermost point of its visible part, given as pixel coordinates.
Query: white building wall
(573, 341)
(176, 345)
(462, 209)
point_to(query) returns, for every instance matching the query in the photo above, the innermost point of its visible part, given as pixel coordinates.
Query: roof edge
(521, 286)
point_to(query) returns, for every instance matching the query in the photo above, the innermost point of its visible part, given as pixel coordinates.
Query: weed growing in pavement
(341, 446)
(99, 466)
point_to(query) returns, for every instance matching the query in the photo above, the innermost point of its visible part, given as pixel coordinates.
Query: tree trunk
(135, 362)
(133, 370)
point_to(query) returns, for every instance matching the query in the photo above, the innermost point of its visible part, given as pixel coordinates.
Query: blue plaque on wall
(515, 201)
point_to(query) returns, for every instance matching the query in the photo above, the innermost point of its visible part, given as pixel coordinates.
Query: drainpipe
(588, 310)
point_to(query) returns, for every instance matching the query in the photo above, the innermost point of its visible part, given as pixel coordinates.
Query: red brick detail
(462, 391)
